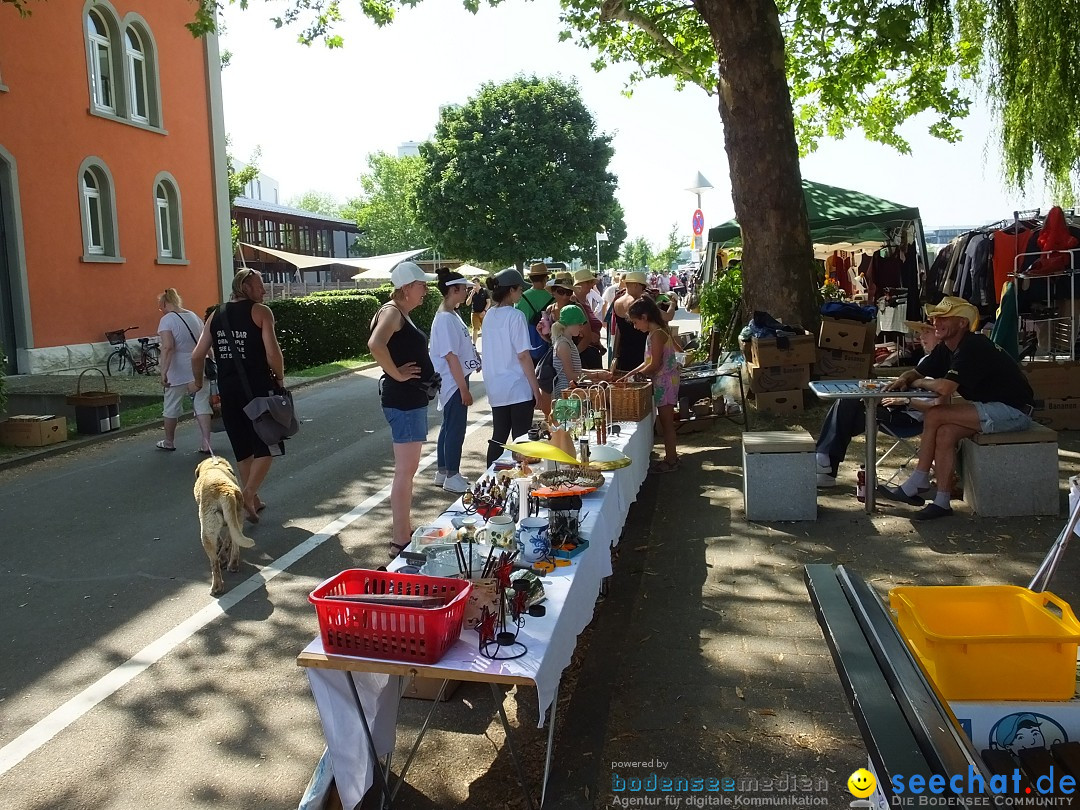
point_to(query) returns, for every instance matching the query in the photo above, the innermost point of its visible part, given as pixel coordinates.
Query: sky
(317, 113)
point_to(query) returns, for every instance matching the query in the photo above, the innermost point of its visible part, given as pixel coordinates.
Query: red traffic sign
(699, 222)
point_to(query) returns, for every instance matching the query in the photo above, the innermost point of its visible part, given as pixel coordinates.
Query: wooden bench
(1011, 474)
(907, 728)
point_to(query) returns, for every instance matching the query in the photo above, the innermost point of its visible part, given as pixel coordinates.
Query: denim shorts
(407, 426)
(997, 417)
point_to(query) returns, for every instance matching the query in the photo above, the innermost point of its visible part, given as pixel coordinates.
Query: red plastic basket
(418, 635)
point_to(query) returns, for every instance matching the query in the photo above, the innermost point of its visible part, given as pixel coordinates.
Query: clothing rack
(1073, 252)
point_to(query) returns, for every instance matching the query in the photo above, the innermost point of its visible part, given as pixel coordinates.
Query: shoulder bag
(210, 368)
(273, 416)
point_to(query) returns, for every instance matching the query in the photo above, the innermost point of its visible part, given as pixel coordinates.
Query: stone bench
(779, 475)
(1011, 474)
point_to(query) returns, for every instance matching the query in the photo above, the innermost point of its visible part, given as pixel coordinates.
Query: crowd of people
(564, 316)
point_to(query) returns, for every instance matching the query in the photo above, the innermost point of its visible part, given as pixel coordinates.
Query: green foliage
(517, 171)
(386, 212)
(317, 202)
(720, 303)
(663, 260)
(636, 254)
(237, 181)
(3, 367)
(322, 328)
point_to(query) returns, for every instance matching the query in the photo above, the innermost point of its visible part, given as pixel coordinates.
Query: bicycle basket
(116, 338)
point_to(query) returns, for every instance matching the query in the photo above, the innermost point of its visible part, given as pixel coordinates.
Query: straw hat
(538, 269)
(952, 307)
(583, 276)
(636, 277)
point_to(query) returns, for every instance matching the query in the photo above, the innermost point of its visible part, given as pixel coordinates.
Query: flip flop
(162, 446)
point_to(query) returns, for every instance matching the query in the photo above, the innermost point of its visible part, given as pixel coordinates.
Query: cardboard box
(764, 379)
(847, 336)
(1050, 380)
(1059, 414)
(780, 401)
(33, 431)
(839, 365)
(994, 724)
(428, 689)
(799, 351)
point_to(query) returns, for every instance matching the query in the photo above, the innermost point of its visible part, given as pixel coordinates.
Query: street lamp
(601, 236)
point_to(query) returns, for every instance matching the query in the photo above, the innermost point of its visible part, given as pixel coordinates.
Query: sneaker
(440, 477)
(825, 480)
(456, 484)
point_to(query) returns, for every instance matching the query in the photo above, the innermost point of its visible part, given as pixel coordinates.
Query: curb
(73, 445)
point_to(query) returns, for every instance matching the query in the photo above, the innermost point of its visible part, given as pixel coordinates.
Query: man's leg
(846, 418)
(934, 421)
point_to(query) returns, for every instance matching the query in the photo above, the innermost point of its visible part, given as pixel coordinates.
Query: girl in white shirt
(454, 358)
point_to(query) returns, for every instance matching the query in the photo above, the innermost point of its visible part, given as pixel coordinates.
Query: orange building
(113, 182)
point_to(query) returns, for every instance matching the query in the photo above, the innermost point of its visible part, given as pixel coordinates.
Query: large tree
(517, 172)
(787, 72)
(386, 211)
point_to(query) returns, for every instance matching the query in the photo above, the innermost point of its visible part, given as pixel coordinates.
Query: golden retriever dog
(220, 501)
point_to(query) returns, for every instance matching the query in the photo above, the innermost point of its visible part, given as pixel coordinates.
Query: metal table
(853, 389)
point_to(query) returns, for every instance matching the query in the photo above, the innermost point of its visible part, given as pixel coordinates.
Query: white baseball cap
(406, 273)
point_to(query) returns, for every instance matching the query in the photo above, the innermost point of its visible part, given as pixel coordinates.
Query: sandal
(162, 446)
(395, 549)
(663, 466)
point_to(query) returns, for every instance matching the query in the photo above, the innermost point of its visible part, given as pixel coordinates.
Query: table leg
(510, 744)
(871, 454)
(419, 738)
(551, 740)
(387, 798)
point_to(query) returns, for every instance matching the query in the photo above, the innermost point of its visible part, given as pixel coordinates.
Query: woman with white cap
(509, 369)
(401, 350)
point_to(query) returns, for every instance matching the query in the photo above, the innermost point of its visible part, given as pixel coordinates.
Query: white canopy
(469, 271)
(373, 267)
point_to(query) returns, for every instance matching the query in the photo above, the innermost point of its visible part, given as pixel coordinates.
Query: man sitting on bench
(847, 417)
(998, 400)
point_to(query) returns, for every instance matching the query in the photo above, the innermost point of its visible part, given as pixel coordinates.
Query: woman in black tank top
(401, 350)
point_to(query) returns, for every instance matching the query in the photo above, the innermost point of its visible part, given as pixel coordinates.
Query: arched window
(98, 212)
(101, 64)
(137, 78)
(168, 218)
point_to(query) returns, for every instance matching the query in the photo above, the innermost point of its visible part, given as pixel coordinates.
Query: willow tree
(786, 73)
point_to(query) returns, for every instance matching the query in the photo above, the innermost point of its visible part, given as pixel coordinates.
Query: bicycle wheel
(117, 364)
(151, 359)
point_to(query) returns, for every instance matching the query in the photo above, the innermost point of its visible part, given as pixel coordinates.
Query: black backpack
(545, 371)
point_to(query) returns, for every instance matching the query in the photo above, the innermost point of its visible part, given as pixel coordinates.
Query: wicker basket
(93, 399)
(630, 402)
(578, 476)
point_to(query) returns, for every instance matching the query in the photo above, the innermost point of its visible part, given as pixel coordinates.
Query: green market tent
(837, 215)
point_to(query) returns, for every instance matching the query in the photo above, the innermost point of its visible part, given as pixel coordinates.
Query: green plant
(321, 328)
(720, 304)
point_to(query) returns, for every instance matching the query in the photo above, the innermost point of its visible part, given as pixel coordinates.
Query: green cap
(572, 315)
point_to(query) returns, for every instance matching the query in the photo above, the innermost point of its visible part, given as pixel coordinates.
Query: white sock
(916, 481)
(823, 460)
(942, 499)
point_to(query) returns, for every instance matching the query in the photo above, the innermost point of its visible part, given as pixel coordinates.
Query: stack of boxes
(845, 349)
(1057, 393)
(779, 370)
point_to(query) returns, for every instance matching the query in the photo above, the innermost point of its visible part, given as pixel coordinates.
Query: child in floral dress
(660, 365)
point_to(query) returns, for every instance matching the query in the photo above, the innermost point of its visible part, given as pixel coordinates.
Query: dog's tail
(231, 509)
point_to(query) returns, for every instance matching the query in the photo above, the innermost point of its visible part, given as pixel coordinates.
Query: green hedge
(335, 325)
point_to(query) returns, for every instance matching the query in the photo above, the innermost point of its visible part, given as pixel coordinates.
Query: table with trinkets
(358, 698)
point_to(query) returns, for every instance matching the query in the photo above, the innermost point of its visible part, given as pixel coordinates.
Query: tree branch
(615, 10)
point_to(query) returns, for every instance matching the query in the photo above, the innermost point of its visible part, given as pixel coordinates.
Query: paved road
(121, 684)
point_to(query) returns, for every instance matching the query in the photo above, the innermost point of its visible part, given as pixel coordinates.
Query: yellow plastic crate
(997, 642)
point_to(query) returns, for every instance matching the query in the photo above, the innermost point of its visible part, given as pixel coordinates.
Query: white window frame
(100, 43)
(168, 220)
(92, 214)
(97, 208)
(137, 75)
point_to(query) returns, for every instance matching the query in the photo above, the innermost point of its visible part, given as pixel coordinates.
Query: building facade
(113, 181)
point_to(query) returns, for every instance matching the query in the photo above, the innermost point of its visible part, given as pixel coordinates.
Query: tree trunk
(763, 156)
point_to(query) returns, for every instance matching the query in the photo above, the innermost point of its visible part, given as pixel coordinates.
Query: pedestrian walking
(177, 330)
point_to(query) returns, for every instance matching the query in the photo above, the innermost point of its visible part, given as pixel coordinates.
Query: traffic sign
(699, 222)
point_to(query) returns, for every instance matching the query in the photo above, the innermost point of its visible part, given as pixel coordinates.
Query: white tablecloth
(571, 595)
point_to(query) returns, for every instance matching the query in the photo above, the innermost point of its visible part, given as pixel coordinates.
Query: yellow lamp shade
(541, 450)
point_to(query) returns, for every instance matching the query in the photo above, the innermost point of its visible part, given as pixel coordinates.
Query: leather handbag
(274, 415)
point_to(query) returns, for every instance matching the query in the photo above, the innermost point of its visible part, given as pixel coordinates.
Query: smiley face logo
(861, 783)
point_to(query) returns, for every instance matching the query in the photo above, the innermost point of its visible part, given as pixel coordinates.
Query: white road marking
(48, 727)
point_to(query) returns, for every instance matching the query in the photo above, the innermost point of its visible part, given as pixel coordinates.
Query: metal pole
(598, 254)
